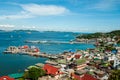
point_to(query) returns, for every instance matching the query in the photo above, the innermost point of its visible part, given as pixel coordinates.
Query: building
(51, 70)
(87, 77)
(6, 78)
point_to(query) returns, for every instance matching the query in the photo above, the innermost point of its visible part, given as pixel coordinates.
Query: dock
(26, 50)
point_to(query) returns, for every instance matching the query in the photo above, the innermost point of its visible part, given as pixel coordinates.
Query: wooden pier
(25, 50)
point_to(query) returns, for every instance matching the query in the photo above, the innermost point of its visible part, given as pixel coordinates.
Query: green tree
(115, 75)
(34, 73)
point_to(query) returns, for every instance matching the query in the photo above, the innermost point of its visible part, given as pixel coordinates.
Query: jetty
(28, 50)
(52, 42)
(32, 50)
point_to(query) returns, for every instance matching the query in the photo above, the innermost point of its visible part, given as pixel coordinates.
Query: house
(77, 56)
(83, 77)
(82, 66)
(105, 77)
(116, 63)
(36, 50)
(70, 57)
(87, 77)
(25, 47)
(6, 78)
(75, 76)
(51, 70)
(114, 51)
(118, 49)
(111, 58)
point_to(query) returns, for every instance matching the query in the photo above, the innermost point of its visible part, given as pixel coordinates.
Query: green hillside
(100, 34)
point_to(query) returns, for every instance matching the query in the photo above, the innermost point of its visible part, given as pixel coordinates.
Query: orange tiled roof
(51, 69)
(6, 78)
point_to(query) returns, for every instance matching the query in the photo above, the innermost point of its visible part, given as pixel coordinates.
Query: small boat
(7, 52)
(11, 49)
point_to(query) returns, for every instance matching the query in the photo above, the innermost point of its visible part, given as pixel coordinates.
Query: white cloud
(43, 10)
(6, 26)
(26, 27)
(16, 16)
(34, 10)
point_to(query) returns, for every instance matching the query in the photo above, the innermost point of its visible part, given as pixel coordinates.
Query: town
(100, 63)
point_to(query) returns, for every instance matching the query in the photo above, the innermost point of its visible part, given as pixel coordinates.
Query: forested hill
(99, 35)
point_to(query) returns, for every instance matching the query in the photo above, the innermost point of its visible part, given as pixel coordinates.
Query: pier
(26, 50)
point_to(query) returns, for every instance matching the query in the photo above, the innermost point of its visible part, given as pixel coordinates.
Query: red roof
(87, 77)
(51, 69)
(25, 47)
(36, 50)
(77, 77)
(77, 56)
(6, 78)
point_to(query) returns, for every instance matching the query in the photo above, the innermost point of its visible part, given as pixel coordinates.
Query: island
(99, 63)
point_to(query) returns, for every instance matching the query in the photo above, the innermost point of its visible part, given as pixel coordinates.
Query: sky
(60, 15)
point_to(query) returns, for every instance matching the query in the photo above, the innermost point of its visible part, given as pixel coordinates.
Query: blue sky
(60, 15)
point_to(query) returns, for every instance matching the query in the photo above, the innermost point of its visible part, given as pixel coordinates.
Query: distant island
(99, 35)
(93, 36)
(28, 30)
(25, 31)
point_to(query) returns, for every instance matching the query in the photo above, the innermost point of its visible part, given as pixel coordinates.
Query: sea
(15, 63)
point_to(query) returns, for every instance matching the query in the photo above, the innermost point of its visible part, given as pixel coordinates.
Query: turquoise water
(10, 63)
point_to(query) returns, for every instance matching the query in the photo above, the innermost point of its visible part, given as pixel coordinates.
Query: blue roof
(114, 51)
(72, 51)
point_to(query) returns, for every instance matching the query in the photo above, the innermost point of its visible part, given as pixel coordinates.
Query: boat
(12, 49)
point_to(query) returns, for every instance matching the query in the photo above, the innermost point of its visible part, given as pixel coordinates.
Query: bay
(12, 63)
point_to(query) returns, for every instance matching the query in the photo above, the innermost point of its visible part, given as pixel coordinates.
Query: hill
(99, 35)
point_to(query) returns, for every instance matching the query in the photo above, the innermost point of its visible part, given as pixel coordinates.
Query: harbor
(96, 62)
(19, 61)
(26, 50)
(60, 40)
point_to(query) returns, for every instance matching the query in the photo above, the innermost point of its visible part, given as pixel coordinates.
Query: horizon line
(58, 31)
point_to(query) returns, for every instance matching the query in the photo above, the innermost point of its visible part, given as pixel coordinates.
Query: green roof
(96, 59)
(63, 61)
(81, 61)
(16, 75)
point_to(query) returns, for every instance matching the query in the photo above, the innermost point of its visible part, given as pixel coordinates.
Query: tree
(115, 75)
(34, 73)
